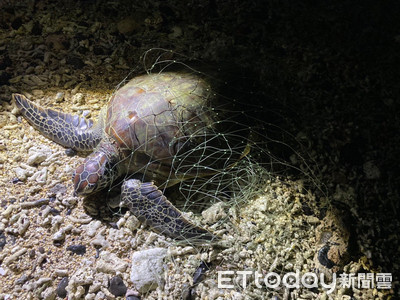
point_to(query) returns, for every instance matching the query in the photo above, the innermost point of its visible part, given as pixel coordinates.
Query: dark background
(333, 66)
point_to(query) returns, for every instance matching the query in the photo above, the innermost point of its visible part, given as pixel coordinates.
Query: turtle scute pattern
(156, 131)
(152, 207)
(168, 113)
(72, 131)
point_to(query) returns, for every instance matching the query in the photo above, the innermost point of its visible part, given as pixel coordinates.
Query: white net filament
(221, 153)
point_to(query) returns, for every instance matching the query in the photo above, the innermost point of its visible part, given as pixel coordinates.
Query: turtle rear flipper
(70, 131)
(149, 205)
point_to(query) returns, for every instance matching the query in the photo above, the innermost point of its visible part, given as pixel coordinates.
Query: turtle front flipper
(70, 131)
(149, 205)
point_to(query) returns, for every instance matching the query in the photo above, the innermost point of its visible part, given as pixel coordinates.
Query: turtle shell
(159, 120)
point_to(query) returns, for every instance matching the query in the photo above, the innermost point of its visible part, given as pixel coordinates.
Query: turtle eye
(90, 186)
(110, 169)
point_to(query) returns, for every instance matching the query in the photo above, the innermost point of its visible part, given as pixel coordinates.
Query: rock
(17, 157)
(186, 292)
(61, 272)
(100, 296)
(42, 281)
(127, 26)
(22, 174)
(3, 240)
(59, 188)
(61, 288)
(36, 203)
(176, 32)
(40, 176)
(96, 286)
(115, 235)
(117, 286)
(69, 201)
(24, 278)
(214, 213)
(78, 98)
(101, 281)
(91, 296)
(91, 228)
(76, 62)
(54, 212)
(59, 97)
(49, 294)
(100, 241)
(110, 263)
(77, 249)
(79, 281)
(9, 259)
(56, 222)
(23, 224)
(56, 42)
(36, 159)
(59, 236)
(80, 291)
(199, 273)
(132, 223)
(147, 269)
(38, 154)
(38, 93)
(371, 170)
(132, 295)
(32, 253)
(121, 222)
(70, 152)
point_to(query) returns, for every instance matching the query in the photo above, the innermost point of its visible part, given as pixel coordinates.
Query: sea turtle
(157, 130)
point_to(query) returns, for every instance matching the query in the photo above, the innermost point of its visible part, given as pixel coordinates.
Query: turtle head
(97, 172)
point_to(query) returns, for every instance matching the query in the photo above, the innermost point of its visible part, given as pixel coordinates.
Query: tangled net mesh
(223, 151)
